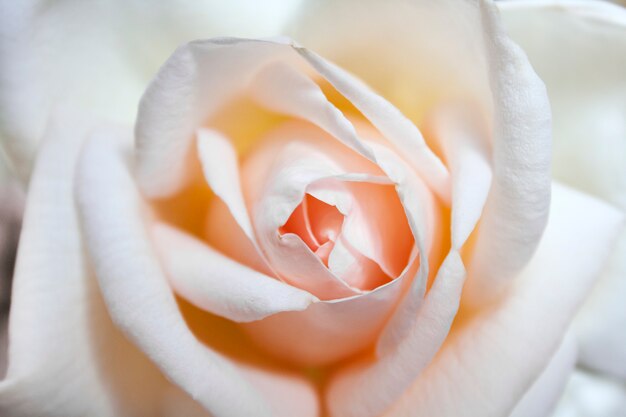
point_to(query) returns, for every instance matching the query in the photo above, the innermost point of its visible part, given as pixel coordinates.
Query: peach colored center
(318, 225)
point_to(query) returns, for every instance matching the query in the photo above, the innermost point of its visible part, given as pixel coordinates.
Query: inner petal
(317, 223)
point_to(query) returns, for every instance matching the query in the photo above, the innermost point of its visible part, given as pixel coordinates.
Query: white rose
(331, 224)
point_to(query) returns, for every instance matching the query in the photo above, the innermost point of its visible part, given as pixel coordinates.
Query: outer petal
(578, 49)
(591, 395)
(58, 365)
(542, 396)
(486, 364)
(142, 304)
(517, 206)
(106, 68)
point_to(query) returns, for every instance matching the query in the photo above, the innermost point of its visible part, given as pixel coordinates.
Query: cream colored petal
(577, 48)
(517, 206)
(66, 357)
(142, 304)
(491, 358)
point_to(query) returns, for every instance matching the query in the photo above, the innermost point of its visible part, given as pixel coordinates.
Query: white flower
(269, 211)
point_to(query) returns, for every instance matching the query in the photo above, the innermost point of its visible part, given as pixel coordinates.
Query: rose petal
(283, 89)
(328, 331)
(220, 285)
(586, 84)
(44, 327)
(399, 130)
(190, 88)
(577, 49)
(368, 385)
(221, 171)
(517, 206)
(486, 364)
(142, 304)
(58, 365)
(542, 396)
(463, 142)
(369, 388)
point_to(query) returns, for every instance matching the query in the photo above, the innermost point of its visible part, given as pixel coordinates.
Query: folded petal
(486, 365)
(517, 206)
(220, 285)
(142, 304)
(190, 88)
(464, 143)
(220, 166)
(577, 50)
(58, 365)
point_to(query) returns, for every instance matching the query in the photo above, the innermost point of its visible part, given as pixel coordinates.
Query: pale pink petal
(297, 166)
(422, 214)
(142, 304)
(369, 388)
(224, 234)
(517, 206)
(491, 359)
(402, 353)
(328, 331)
(377, 227)
(356, 269)
(283, 89)
(190, 87)
(221, 170)
(394, 126)
(215, 283)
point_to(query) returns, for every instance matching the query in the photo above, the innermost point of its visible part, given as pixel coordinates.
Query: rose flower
(337, 223)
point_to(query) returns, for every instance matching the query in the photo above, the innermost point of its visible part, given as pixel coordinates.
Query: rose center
(318, 225)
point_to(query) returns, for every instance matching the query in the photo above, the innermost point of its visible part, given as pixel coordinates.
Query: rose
(132, 281)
